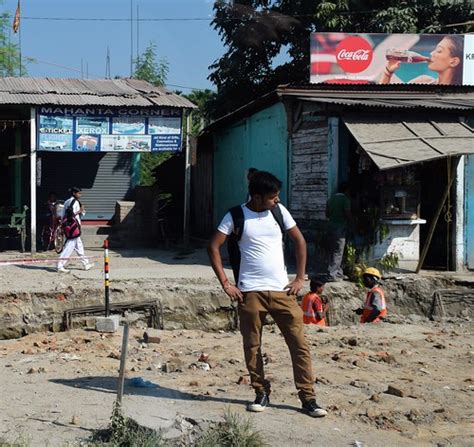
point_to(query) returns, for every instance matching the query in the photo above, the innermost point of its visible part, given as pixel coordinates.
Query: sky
(60, 47)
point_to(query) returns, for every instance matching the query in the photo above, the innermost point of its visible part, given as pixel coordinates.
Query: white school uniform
(75, 244)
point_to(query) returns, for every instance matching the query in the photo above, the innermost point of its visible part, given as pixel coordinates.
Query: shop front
(58, 133)
(99, 150)
(402, 174)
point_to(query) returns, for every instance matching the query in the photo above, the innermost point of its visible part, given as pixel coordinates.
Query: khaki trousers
(289, 317)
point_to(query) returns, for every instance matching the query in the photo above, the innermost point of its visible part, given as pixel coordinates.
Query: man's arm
(300, 251)
(213, 250)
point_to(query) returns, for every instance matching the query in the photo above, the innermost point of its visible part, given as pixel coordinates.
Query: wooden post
(33, 179)
(123, 359)
(187, 180)
(106, 278)
(437, 214)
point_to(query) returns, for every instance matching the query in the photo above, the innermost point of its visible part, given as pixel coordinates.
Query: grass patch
(234, 431)
(125, 432)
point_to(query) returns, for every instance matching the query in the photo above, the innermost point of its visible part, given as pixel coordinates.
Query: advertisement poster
(128, 126)
(344, 58)
(56, 133)
(108, 130)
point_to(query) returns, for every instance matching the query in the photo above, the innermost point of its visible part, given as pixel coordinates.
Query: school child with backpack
(314, 308)
(71, 224)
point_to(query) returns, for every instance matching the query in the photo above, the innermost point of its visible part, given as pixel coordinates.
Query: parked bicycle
(52, 234)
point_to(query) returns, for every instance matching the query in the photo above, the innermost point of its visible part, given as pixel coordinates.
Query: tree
(201, 117)
(9, 52)
(255, 32)
(149, 69)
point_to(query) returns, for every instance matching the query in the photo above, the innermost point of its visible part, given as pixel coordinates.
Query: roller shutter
(103, 177)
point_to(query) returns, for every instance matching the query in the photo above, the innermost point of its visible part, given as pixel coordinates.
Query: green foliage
(235, 431)
(255, 32)
(149, 161)
(125, 432)
(9, 52)
(354, 265)
(148, 68)
(389, 262)
(201, 117)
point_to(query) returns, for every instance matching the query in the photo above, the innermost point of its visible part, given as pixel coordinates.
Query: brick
(152, 336)
(395, 391)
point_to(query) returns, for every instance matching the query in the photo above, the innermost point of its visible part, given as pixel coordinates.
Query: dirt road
(57, 387)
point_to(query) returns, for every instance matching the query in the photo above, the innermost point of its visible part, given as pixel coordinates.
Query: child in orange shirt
(314, 311)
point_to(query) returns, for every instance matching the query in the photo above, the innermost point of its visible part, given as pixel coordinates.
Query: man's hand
(234, 293)
(295, 286)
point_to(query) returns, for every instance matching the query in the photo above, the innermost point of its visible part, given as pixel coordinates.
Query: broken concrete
(107, 324)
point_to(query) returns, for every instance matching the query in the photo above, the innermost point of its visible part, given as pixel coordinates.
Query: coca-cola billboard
(392, 58)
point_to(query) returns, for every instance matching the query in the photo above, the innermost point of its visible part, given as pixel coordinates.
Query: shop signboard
(74, 129)
(344, 58)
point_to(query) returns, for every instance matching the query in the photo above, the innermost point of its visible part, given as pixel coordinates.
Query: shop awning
(393, 143)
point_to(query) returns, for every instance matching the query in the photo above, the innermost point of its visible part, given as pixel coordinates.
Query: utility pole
(107, 64)
(138, 31)
(131, 38)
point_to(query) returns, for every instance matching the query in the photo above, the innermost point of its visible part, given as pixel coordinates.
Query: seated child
(374, 307)
(314, 312)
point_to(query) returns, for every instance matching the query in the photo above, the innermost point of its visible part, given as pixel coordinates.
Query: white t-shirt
(75, 208)
(262, 264)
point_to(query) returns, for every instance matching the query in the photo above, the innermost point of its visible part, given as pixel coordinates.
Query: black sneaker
(313, 409)
(260, 403)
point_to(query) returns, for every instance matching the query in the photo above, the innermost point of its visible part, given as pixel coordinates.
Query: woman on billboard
(446, 60)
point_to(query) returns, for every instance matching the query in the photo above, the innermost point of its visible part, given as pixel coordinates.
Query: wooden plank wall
(309, 172)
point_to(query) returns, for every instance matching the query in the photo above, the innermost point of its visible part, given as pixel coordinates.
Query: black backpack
(233, 249)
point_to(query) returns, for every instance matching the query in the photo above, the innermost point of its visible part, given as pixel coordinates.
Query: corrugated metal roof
(382, 96)
(391, 143)
(440, 103)
(415, 97)
(83, 92)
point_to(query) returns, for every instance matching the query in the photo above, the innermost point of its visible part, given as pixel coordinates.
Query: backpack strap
(278, 216)
(237, 214)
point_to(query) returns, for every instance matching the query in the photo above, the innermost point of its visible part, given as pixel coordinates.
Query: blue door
(469, 211)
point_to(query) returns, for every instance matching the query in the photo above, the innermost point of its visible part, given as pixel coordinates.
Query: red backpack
(70, 224)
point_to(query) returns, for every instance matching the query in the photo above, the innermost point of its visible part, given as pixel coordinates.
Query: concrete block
(107, 324)
(152, 336)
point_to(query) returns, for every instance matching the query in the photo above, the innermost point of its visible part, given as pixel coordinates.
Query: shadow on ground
(106, 384)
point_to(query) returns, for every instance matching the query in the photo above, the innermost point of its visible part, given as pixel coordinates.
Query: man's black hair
(314, 284)
(74, 189)
(264, 183)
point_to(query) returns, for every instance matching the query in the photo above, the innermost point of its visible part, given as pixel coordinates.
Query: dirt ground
(56, 388)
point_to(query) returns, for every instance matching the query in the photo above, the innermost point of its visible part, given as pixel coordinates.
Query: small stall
(400, 216)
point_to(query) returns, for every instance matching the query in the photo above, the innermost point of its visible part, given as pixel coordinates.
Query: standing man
(263, 287)
(338, 211)
(73, 209)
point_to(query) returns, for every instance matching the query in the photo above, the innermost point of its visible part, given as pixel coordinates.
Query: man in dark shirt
(338, 212)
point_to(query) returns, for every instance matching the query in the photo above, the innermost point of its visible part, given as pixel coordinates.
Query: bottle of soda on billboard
(405, 56)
